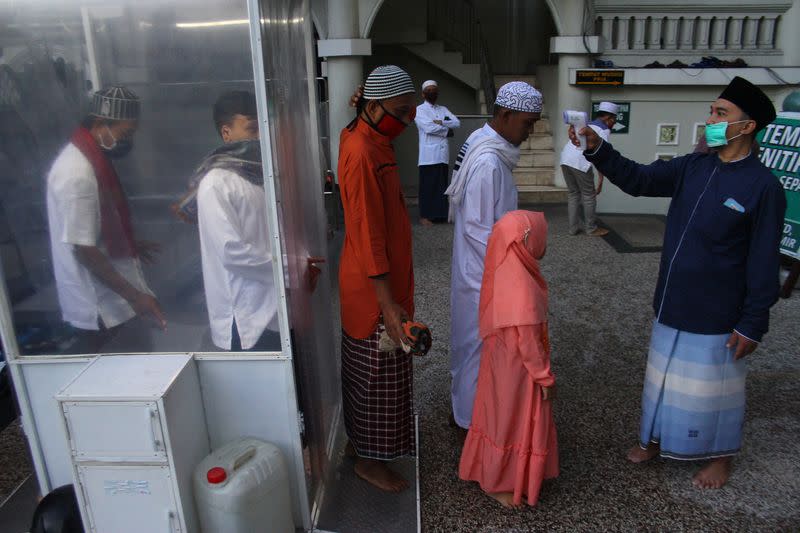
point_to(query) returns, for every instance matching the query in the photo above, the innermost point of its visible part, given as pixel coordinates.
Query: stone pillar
(638, 33)
(735, 30)
(687, 34)
(718, 27)
(608, 32)
(344, 51)
(623, 25)
(703, 30)
(671, 34)
(750, 33)
(654, 30)
(766, 34)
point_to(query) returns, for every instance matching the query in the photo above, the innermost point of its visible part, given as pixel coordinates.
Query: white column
(670, 30)
(638, 33)
(623, 25)
(750, 33)
(607, 29)
(654, 29)
(344, 72)
(734, 37)
(766, 34)
(687, 34)
(703, 27)
(718, 27)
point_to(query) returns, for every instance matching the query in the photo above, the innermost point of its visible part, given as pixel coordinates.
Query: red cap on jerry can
(216, 475)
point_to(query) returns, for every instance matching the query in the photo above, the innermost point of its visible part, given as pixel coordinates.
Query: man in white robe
(481, 192)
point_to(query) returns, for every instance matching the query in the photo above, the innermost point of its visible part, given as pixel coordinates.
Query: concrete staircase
(535, 173)
(434, 52)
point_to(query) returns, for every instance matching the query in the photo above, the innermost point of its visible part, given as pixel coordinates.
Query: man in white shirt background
(435, 124)
(579, 176)
(234, 236)
(96, 259)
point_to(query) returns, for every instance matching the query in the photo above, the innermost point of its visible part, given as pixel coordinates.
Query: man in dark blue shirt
(717, 281)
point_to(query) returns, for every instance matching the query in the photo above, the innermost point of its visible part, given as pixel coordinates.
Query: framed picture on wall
(665, 156)
(668, 134)
(699, 132)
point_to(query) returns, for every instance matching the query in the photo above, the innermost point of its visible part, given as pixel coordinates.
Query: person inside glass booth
(234, 237)
(96, 258)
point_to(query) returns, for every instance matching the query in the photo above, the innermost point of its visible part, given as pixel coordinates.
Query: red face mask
(391, 126)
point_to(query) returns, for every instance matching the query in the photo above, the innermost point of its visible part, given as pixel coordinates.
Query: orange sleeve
(367, 217)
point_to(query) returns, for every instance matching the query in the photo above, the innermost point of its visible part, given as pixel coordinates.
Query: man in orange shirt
(376, 280)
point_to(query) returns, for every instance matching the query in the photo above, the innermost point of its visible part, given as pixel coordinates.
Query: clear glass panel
(178, 56)
(294, 108)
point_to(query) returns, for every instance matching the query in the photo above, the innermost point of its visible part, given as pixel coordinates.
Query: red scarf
(116, 229)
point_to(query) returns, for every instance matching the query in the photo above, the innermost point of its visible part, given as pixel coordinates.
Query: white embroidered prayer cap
(387, 81)
(116, 103)
(519, 96)
(429, 83)
(608, 107)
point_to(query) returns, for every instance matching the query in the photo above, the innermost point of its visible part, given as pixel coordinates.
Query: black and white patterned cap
(519, 96)
(387, 81)
(116, 103)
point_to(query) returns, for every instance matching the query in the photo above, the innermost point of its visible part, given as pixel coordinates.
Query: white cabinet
(136, 430)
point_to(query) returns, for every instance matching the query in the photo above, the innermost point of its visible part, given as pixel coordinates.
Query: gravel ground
(600, 320)
(15, 464)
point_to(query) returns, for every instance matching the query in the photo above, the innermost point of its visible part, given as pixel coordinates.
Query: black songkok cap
(751, 100)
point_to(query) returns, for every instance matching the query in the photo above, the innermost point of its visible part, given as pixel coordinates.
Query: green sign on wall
(780, 152)
(623, 116)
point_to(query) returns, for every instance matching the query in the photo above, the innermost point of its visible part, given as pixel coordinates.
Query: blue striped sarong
(694, 395)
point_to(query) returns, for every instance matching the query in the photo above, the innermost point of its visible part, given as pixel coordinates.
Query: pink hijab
(513, 292)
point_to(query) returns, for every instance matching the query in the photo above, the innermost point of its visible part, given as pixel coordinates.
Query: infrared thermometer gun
(578, 120)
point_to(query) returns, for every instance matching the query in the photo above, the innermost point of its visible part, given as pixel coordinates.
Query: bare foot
(426, 222)
(377, 473)
(506, 499)
(638, 455)
(714, 475)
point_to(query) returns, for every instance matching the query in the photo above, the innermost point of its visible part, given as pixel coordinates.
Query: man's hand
(599, 185)
(357, 96)
(148, 250)
(593, 140)
(549, 393)
(742, 346)
(147, 306)
(393, 316)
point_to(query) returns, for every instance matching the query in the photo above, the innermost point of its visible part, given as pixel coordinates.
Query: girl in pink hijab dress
(511, 445)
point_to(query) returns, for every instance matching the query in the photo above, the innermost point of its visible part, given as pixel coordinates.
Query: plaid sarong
(377, 389)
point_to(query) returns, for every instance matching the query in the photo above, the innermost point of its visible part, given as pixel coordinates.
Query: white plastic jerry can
(243, 487)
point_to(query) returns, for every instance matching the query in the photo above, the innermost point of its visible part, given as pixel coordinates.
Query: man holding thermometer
(717, 281)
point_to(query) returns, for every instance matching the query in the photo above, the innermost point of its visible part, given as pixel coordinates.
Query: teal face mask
(715, 134)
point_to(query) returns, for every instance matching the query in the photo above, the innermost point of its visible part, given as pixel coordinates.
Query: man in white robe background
(481, 192)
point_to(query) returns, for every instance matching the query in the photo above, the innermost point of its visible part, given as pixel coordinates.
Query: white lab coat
(490, 192)
(73, 213)
(236, 258)
(433, 145)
